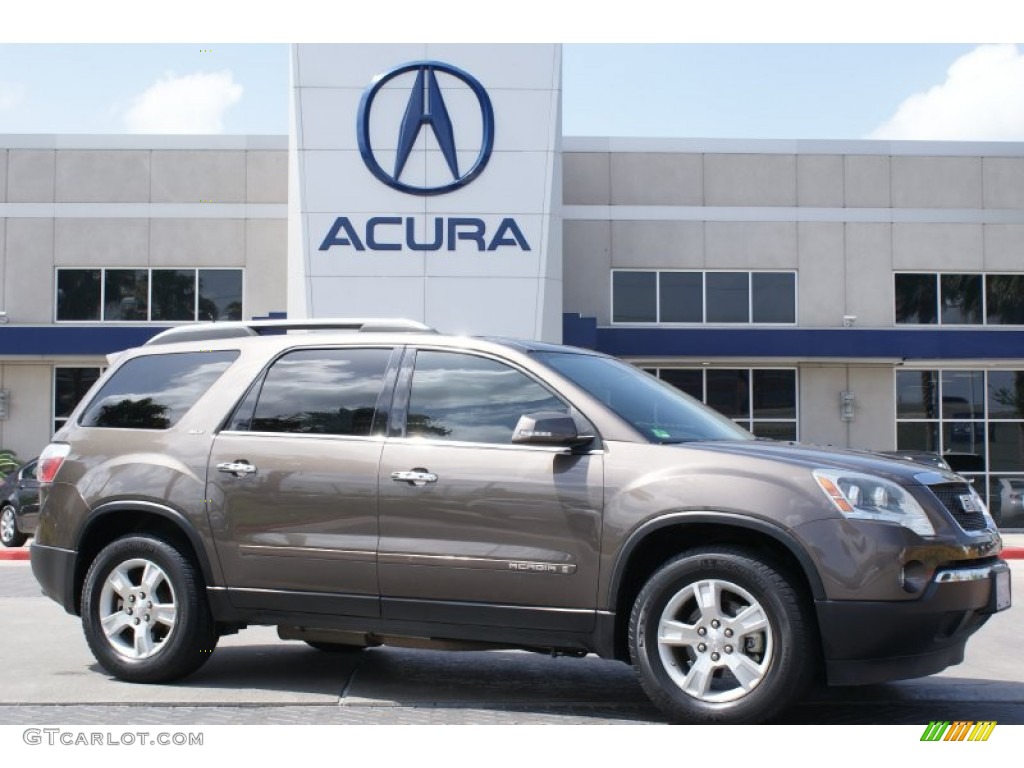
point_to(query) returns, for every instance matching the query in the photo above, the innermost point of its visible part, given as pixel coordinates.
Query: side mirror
(548, 428)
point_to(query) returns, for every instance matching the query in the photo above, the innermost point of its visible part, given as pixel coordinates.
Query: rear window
(155, 391)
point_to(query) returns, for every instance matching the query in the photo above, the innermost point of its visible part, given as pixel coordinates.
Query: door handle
(237, 468)
(416, 477)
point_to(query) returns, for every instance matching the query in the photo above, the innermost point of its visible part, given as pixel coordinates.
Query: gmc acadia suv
(358, 483)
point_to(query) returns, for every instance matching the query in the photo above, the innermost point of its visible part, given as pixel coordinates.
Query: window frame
(398, 417)
(704, 322)
(987, 474)
(750, 421)
(983, 307)
(149, 270)
(382, 409)
(54, 418)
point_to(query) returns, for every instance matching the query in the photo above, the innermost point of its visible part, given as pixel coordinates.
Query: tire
(741, 655)
(10, 536)
(170, 640)
(338, 648)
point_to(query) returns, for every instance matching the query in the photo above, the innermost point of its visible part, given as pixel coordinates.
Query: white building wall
(128, 201)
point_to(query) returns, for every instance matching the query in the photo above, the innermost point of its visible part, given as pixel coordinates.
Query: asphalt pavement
(255, 678)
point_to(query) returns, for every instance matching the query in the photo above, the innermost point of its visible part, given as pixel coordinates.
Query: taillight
(50, 461)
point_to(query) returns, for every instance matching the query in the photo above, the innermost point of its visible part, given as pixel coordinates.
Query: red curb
(13, 554)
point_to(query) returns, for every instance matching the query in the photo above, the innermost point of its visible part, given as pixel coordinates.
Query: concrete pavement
(253, 677)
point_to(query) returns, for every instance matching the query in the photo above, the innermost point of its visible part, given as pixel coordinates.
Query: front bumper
(874, 641)
(54, 569)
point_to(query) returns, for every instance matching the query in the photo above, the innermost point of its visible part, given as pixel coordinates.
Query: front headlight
(867, 497)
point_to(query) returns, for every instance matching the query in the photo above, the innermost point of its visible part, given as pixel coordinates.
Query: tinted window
(319, 392)
(774, 395)
(1004, 299)
(174, 294)
(220, 294)
(729, 392)
(917, 397)
(682, 297)
(634, 297)
(78, 294)
(155, 391)
(654, 408)
(728, 297)
(126, 294)
(773, 297)
(1006, 395)
(687, 380)
(915, 299)
(961, 299)
(463, 397)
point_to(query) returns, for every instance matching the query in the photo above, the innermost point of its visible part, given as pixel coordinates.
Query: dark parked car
(384, 484)
(19, 505)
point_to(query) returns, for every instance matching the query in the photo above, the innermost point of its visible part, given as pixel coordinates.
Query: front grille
(949, 494)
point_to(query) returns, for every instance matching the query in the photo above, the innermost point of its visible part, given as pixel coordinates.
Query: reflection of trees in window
(340, 422)
(1004, 296)
(961, 299)
(915, 299)
(126, 294)
(133, 414)
(1010, 397)
(174, 294)
(422, 425)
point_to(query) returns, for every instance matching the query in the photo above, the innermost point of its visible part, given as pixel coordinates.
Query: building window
(761, 400)
(959, 299)
(70, 383)
(148, 295)
(975, 420)
(673, 296)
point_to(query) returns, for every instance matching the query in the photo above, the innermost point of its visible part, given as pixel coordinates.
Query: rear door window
(319, 392)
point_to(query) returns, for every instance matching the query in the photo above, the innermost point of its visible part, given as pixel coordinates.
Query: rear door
(292, 483)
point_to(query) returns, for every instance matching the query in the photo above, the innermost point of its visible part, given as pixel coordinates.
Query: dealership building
(862, 294)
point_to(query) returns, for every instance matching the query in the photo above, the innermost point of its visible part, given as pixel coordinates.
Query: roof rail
(239, 329)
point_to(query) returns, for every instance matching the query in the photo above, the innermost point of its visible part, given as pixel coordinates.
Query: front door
(473, 528)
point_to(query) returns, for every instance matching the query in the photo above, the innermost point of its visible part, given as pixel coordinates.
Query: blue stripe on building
(924, 343)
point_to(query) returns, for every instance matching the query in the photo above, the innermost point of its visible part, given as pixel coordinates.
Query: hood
(811, 457)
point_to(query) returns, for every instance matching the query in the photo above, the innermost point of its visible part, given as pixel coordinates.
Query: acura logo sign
(426, 110)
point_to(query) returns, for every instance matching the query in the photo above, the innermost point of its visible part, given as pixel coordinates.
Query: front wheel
(144, 611)
(717, 636)
(10, 536)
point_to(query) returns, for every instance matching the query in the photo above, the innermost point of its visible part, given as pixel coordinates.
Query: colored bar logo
(960, 730)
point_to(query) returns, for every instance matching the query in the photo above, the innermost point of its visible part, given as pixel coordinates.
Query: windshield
(657, 410)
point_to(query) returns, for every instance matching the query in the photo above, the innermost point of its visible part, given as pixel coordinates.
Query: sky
(782, 91)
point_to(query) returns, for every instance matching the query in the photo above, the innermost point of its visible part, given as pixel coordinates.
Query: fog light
(913, 576)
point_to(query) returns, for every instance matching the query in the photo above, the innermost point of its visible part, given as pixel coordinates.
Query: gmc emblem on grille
(967, 502)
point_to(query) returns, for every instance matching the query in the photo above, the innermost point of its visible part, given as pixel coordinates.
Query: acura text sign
(425, 183)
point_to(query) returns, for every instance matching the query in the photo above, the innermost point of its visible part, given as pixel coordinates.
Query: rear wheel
(144, 611)
(10, 536)
(718, 637)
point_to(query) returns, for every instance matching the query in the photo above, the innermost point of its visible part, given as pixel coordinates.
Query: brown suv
(379, 483)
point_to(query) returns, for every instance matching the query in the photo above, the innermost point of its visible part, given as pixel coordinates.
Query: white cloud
(982, 99)
(194, 103)
(11, 95)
